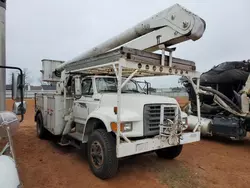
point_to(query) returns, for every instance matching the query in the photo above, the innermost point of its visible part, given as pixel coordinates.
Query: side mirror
(17, 86)
(14, 86)
(77, 87)
(18, 109)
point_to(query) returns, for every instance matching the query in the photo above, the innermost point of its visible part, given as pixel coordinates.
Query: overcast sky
(61, 29)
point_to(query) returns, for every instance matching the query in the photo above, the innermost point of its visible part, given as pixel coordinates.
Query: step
(64, 141)
(78, 136)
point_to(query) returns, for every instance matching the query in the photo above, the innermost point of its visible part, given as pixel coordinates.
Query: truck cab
(140, 114)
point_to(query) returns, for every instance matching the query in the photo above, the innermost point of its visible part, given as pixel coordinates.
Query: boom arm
(169, 27)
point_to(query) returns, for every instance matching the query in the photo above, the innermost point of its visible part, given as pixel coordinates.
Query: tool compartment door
(51, 113)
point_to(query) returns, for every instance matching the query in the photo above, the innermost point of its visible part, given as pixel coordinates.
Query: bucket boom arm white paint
(148, 34)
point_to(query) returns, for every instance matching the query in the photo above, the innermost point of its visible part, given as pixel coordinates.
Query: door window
(87, 88)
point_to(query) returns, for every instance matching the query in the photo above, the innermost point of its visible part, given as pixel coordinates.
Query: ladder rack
(146, 64)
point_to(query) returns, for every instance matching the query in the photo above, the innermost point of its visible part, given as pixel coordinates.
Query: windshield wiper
(131, 91)
(108, 90)
(114, 91)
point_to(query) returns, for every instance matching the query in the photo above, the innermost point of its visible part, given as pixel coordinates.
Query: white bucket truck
(98, 103)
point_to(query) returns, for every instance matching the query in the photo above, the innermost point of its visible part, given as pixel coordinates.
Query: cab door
(86, 104)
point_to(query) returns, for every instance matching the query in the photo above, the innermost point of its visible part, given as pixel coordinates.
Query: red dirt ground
(209, 163)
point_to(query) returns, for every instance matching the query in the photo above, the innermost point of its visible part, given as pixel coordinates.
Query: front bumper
(151, 144)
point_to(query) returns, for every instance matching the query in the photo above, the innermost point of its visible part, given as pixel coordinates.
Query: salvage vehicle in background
(224, 95)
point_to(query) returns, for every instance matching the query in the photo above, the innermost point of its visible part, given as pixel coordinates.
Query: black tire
(170, 152)
(107, 166)
(41, 132)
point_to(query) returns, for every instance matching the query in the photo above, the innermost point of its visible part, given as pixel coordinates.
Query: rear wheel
(102, 154)
(40, 130)
(170, 152)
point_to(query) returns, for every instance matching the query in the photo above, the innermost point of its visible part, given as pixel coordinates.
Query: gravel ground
(208, 163)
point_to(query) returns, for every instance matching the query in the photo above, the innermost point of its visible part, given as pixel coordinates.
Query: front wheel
(102, 154)
(170, 152)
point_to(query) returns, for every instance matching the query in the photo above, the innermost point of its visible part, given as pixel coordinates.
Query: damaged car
(224, 100)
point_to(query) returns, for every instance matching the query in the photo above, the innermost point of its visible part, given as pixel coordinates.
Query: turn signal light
(114, 127)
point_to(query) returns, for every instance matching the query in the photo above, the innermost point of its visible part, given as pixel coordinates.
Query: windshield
(109, 84)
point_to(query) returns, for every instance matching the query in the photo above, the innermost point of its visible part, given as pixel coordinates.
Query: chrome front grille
(151, 117)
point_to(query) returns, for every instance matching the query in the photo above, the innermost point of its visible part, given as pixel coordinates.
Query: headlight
(125, 126)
